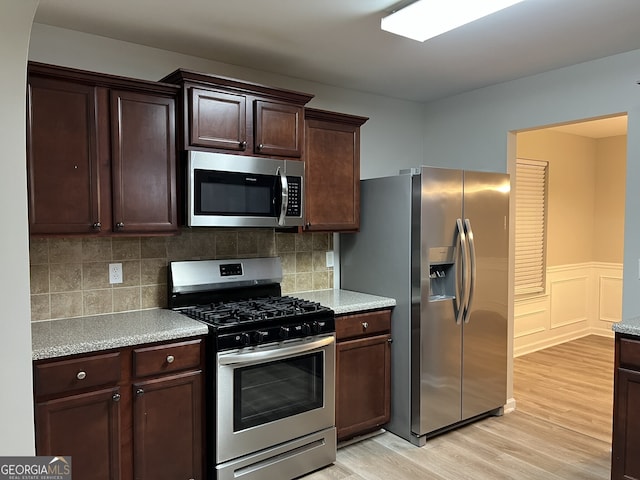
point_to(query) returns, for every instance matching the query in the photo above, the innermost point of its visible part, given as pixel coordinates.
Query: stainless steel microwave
(226, 190)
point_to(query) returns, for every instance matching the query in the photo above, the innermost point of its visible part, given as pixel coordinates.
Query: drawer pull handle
(116, 397)
(365, 325)
(139, 392)
(170, 358)
(81, 375)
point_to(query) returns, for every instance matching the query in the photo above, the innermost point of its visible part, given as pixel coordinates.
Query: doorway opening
(583, 267)
(584, 241)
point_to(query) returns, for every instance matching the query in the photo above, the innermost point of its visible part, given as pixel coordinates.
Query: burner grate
(224, 313)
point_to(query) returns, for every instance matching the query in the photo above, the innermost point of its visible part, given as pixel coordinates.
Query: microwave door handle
(285, 196)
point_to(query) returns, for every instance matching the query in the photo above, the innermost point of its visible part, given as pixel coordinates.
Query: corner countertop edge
(344, 302)
(628, 326)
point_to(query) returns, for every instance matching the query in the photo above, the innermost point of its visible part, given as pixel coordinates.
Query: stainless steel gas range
(271, 363)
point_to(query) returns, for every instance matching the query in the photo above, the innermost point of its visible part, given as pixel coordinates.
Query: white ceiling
(339, 42)
(600, 128)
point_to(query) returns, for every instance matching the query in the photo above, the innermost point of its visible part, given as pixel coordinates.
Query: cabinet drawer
(370, 323)
(629, 353)
(166, 358)
(78, 373)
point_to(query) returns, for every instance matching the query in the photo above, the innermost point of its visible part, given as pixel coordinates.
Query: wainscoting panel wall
(569, 299)
(580, 299)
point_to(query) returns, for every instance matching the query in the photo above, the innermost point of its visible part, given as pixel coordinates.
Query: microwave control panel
(294, 208)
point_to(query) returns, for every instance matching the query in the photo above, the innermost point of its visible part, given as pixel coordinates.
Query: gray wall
(471, 130)
(391, 139)
(16, 411)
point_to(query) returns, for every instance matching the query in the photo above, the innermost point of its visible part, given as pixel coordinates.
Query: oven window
(271, 391)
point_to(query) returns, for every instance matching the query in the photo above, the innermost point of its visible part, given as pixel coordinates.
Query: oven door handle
(273, 354)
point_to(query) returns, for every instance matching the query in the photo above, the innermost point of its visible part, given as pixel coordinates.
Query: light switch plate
(115, 273)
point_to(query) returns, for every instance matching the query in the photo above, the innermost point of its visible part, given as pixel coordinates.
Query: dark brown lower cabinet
(86, 426)
(625, 461)
(363, 366)
(133, 413)
(167, 433)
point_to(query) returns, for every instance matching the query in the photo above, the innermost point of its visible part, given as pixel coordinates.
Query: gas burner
(252, 310)
(241, 302)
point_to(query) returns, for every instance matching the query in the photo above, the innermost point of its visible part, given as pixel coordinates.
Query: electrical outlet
(115, 273)
(330, 258)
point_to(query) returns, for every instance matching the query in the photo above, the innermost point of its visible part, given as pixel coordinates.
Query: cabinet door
(62, 157)
(363, 376)
(85, 427)
(278, 129)
(625, 463)
(168, 427)
(332, 164)
(143, 162)
(217, 119)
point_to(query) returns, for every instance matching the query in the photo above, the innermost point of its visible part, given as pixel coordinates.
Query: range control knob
(316, 327)
(260, 336)
(243, 339)
(284, 332)
(306, 329)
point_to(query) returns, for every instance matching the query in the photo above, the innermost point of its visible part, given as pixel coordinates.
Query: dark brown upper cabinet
(224, 114)
(101, 153)
(332, 169)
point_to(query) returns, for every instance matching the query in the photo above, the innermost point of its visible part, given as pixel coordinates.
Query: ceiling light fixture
(426, 19)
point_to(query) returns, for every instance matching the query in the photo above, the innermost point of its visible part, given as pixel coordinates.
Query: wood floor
(561, 429)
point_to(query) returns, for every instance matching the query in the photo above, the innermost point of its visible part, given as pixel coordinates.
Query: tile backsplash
(70, 276)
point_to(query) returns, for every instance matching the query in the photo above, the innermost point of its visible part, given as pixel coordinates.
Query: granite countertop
(70, 336)
(630, 326)
(345, 301)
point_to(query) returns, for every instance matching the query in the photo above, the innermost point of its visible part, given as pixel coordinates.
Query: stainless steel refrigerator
(437, 240)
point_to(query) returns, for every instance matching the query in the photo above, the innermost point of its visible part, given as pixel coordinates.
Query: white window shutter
(531, 226)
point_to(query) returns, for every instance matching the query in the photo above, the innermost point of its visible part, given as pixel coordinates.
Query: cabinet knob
(365, 325)
(170, 358)
(97, 226)
(243, 145)
(116, 397)
(139, 392)
(81, 375)
(119, 225)
(259, 147)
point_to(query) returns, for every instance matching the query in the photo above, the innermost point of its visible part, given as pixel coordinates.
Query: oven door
(237, 191)
(273, 394)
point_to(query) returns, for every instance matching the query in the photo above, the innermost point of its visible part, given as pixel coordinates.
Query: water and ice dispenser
(442, 274)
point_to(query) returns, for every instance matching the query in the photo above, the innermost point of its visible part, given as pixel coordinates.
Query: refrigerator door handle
(463, 285)
(472, 256)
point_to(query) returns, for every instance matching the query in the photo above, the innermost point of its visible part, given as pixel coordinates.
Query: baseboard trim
(549, 342)
(510, 406)
(552, 342)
